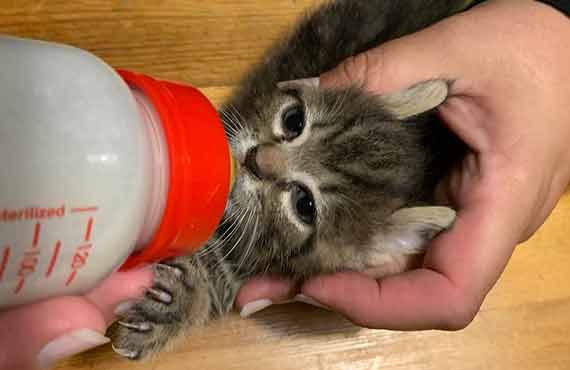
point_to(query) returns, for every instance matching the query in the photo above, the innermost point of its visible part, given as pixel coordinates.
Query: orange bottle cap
(200, 168)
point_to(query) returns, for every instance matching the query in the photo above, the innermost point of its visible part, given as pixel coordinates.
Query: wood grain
(524, 323)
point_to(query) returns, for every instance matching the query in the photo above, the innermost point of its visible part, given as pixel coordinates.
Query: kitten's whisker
(230, 129)
(236, 217)
(245, 226)
(244, 231)
(249, 247)
(338, 104)
(239, 119)
(220, 241)
(231, 125)
(239, 220)
(231, 110)
(231, 117)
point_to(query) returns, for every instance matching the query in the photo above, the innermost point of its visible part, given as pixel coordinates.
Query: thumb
(433, 53)
(38, 335)
(400, 63)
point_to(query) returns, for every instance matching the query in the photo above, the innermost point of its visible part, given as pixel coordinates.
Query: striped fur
(365, 162)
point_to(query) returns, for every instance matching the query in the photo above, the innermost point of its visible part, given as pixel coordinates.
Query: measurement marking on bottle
(88, 230)
(27, 267)
(36, 237)
(19, 286)
(78, 260)
(71, 278)
(84, 209)
(80, 256)
(30, 260)
(53, 259)
(5, 258)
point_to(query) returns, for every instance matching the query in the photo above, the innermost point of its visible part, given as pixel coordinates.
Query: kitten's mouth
(250, 163)
(249, 172)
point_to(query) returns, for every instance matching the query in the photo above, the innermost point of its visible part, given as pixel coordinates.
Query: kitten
(331, 179)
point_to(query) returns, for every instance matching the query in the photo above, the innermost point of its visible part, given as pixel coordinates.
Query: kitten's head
(324, 173)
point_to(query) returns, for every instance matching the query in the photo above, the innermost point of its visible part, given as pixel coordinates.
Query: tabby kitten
(331, 179)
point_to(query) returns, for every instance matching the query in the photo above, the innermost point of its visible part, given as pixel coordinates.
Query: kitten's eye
(303, 204)
(293, 120)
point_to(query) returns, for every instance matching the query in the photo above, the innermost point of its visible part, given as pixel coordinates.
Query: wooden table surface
(524, 323)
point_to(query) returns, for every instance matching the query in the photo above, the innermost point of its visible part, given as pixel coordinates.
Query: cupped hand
(510, 103)
(37, 335)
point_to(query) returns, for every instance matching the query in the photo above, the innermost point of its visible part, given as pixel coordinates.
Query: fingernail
(254, 307)
(310, 301)
(68, 345)
(123, 307)
(309, 82)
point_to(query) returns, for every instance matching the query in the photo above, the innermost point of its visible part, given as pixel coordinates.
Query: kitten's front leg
(187, 292)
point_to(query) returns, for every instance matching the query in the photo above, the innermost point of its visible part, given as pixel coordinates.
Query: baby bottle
(100, 170)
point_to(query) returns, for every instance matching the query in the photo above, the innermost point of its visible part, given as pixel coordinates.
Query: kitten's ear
(417, 99)
(411, 229)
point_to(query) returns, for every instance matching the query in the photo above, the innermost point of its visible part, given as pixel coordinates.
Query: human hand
(510, 104)
(37, 335)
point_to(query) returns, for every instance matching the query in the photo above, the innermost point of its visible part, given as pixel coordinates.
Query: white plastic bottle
(98, 167)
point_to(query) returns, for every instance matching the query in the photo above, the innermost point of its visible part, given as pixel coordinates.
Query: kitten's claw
(170, 269)
(131, 355)
(160, 295)
(139, 326)
(143, 329)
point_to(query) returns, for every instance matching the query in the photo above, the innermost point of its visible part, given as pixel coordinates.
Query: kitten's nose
(266, 162)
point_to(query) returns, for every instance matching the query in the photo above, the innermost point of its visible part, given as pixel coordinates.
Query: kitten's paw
(409, 233)
(151, 323)
(411, 229)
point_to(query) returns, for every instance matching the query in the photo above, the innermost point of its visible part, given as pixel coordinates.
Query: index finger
(459, 270)
(121, 287)
(39, 334)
